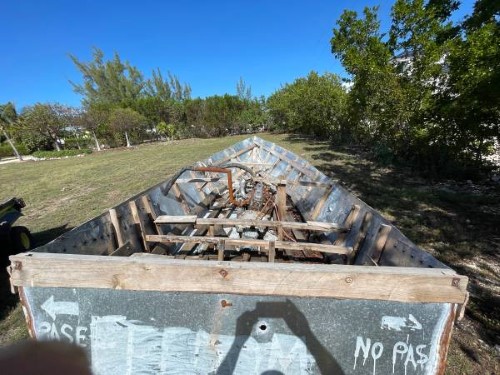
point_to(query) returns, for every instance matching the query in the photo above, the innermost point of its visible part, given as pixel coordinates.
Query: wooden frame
(272, 279)
(263, 244)
(317, 226)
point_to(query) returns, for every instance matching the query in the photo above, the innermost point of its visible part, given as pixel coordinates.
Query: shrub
(6, 151)
(60, 154)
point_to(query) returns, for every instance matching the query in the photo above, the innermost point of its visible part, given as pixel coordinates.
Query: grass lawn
(459, 223)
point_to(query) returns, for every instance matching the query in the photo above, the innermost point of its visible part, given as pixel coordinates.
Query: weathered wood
(324, 248)
(176, 219)
(125, 250)
(139, 223)
(281, 206)
(349, 221)
(272, 251)
(405, 284)
(116, 225)
(179, 196)
(221, 247)
(361, 235)
(378, 248)
(316, 226)
(319, 205)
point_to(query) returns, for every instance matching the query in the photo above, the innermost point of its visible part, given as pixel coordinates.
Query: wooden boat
(249, 262)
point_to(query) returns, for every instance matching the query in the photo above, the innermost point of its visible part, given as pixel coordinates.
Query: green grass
(456, 222)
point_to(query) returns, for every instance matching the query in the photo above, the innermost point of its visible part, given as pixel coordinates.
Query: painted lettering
(67, 332)
(80, 336)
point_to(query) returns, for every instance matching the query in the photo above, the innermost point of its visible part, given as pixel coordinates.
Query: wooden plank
(116, 225)
(404, 284)
(176, 219)
(316, 226)
(349, 221)
(146, 201)
(321, 203)
(221, 247)
(281, 206)
(324, 248)
(378, 248)
(125, 250)
(272, 251)
(180, 198)
(139, 223)
(367, 219)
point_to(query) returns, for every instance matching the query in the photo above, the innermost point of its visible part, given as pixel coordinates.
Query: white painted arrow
(398, 322)
(62, 308)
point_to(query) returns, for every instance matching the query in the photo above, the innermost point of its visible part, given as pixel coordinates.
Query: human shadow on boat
(296, 322)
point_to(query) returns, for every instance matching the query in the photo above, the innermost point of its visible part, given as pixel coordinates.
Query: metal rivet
(455, 281)
(348, 279)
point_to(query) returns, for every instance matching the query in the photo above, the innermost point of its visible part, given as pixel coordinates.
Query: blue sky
(208, 44)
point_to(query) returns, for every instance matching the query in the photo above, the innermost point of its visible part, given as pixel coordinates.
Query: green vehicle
(15, 239)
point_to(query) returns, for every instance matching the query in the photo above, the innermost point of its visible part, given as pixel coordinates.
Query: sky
(208, 44)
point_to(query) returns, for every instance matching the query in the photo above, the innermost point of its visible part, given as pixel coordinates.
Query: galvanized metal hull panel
(191, 333)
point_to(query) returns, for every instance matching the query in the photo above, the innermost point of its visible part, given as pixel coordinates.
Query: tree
(8, 116)
(109, 82)
(125, 120)
(243, 91)
(45, 122)
(94, 117)
(313, 105)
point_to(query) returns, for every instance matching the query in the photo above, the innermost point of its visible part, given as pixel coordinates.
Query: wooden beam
(403, 284)
(139, 223)
(324, 248)
(319, 205)
(176, 219)
(316, 226)
(361, 235)
(116, 225)
(281, 206)
(382, 235)
(349, 221)
(272, 251)
(125, 250)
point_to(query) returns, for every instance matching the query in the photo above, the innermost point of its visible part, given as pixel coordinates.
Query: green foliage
(314, 105)
(429, 92)
(6, 150)
(127, 121)
(60, 154)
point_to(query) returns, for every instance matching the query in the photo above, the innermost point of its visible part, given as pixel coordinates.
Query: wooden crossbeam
(316, 226)
(263, 244)
(405, 284)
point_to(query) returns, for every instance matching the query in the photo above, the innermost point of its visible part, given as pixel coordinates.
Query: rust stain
(225, 303)
(223, 273)
(444, 342)
(27, 313)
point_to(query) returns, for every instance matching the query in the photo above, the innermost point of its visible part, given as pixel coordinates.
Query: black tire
(21, 239)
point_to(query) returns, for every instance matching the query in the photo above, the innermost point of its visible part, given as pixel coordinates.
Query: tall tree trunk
(18, 155)
(96, 141)
(128, 141)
